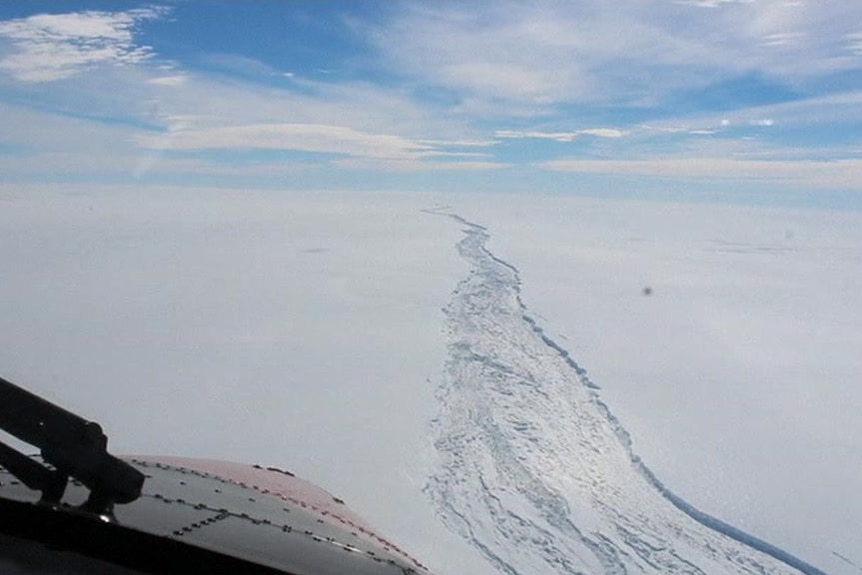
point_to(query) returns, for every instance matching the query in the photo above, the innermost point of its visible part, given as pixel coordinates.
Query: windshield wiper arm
(73, 446)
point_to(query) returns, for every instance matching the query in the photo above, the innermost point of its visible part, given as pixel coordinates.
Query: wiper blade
(73, 446)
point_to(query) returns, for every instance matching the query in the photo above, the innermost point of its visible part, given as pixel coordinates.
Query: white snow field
(380, 351)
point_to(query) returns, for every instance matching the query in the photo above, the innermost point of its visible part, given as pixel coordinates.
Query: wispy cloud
(172, 80)
(243, 66)
(49, 47)
(512, 53)
(413, 165)
(560, 136)
(304, 137)
(398, 152)
(712, 3)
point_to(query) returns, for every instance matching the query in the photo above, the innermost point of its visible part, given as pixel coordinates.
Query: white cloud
(305, 137)
(51, 47)
(854, 43)
(846, 174)
(408, 165)
(560, 136)
(175, 80)
(462, 143)
(556, 136)
(712, 3)
(604, 132)
(840, 110)
(781, 38)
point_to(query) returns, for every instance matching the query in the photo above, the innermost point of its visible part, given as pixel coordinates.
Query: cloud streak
(560, 136)
(390, 152)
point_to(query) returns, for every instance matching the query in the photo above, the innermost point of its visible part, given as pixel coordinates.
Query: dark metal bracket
(70, 445)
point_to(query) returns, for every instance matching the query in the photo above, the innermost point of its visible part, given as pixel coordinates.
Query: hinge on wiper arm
(73, 446)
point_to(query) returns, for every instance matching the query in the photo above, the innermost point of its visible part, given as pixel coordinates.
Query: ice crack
(533, 468)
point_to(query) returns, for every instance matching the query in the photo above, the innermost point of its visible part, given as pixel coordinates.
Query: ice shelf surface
(304, 331)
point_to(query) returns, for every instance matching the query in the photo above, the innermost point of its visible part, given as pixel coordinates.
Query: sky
(739, 101)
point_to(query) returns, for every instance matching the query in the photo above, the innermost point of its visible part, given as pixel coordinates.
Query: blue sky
(716, 100)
